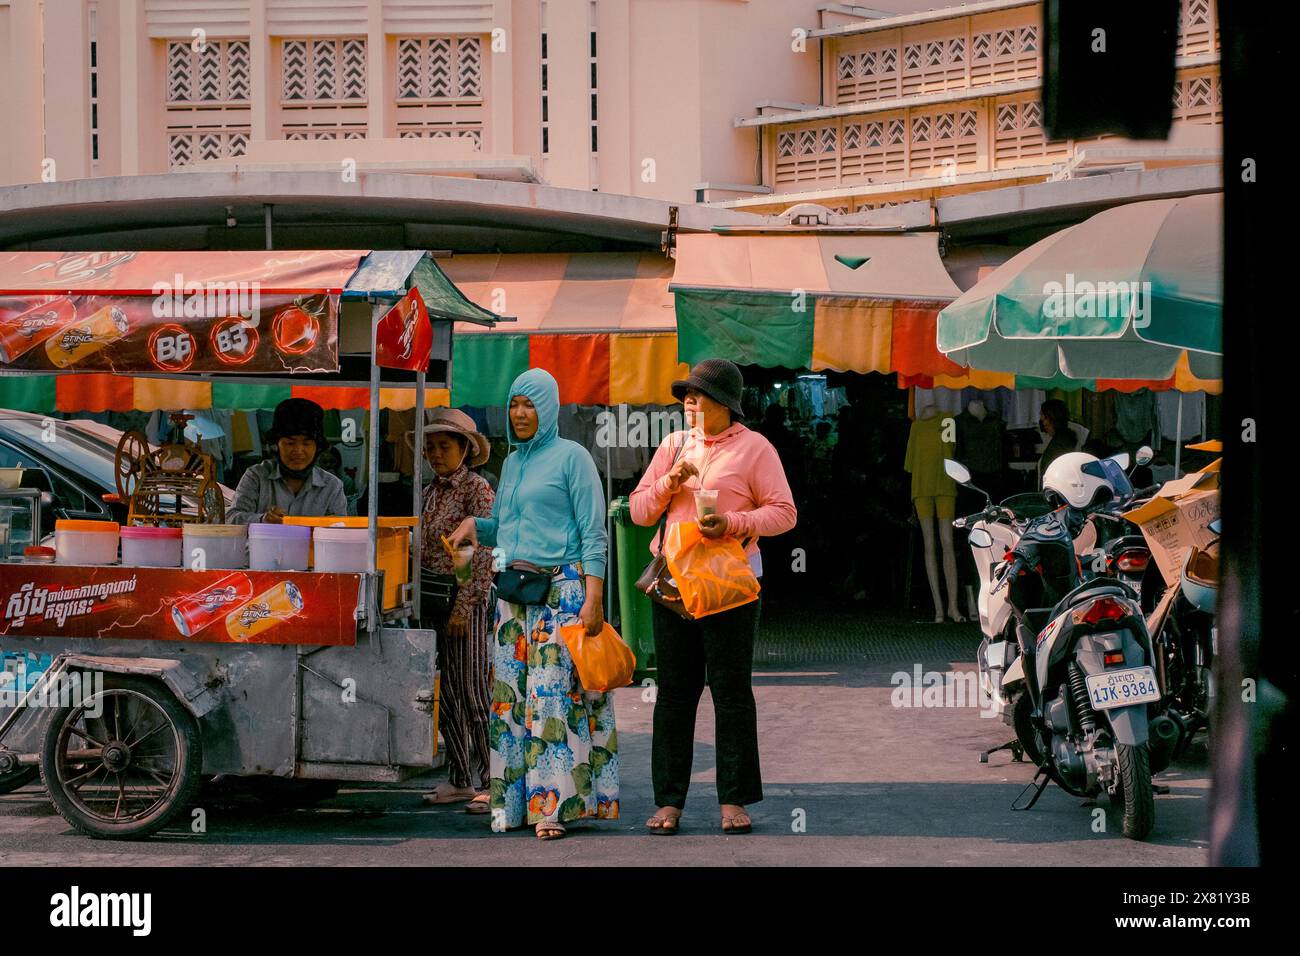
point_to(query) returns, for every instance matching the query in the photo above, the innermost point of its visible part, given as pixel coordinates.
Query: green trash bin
(631, 554)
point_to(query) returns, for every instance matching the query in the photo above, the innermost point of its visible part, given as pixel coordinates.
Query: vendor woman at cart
(291, 483)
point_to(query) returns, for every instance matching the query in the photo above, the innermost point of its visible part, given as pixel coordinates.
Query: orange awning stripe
(152, 394)
(852, 335)
(642, 369)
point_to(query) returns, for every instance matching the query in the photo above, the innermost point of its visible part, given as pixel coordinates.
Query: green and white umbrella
(1121, 295)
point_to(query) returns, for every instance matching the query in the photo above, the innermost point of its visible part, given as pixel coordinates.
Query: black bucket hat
(717, 378)
(299, 416)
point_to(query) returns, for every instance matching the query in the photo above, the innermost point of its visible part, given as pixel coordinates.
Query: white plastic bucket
(342, 549)
(215, 546)
(151, 547)
(85, 542)
(278, 547)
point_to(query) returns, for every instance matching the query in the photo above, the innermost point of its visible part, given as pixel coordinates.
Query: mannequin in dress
(934, 495)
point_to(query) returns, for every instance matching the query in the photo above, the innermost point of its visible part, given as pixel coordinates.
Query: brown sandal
(550, 830)
(737, 823)
(664, 824)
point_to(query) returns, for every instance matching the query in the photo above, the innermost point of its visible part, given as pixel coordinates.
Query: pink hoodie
(740, 464)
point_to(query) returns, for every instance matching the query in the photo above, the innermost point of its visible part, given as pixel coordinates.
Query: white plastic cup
(706, 502)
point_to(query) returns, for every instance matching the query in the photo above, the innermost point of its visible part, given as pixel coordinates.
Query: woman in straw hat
(452, 446)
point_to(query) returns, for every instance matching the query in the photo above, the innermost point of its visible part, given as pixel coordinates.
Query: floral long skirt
(554, 749)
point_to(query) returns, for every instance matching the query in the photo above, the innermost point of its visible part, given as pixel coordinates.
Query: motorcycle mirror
(1122, 460)
(1216, 526)
(1145, 455)
(979, 538)
(956, 471)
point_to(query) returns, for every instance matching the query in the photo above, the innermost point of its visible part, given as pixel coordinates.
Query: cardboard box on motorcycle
(1178, 518)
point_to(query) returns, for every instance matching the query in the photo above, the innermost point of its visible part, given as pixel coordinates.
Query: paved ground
(849, 779)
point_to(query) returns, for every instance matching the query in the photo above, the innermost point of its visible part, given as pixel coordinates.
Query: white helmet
(1079, 488)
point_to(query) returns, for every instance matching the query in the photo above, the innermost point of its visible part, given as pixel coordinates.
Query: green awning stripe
(749, 328)
(237, 395)
(484, 366)
(27, 393)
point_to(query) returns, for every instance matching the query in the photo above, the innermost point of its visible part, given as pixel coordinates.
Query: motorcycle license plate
(1122, 688)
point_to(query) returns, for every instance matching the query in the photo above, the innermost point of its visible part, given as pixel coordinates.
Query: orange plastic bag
(604, 661)
(712, 574)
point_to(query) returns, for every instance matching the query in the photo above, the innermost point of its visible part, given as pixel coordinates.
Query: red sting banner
(404, 338)
(259, 312)
(171, 604)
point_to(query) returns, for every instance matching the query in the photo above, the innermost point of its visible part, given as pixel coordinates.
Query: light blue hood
(539, 387)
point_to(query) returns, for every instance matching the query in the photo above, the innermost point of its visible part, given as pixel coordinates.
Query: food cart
(155, 678)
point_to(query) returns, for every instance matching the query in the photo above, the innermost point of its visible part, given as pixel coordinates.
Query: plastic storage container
(278, 547)
(151, 547)
(341, 549)
(215, 546)
(394, 552)
(85, 542)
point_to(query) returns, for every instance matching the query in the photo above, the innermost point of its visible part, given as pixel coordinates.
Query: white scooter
(994, 532)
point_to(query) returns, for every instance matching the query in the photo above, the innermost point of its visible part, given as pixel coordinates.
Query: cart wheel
(124, 762)
(129, 464)
(9, 782)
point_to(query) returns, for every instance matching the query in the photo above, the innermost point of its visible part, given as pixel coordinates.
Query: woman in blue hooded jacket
(554, 749)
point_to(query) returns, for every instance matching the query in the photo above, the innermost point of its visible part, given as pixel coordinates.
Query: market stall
(295, 665)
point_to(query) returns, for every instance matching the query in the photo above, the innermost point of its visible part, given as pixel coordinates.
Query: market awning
(178, 329)
(863, 303)
(601, 323)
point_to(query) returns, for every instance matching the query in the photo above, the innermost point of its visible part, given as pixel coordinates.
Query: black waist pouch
(437, 595)
(524, 583)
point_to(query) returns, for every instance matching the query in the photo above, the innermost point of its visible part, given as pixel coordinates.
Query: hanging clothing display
(833, 400)
(241, 436)
(979, 442)
(399, 423)
(947, 400)
(1137, 416)
(497, 421)
(1098, 413)
(1193, 414)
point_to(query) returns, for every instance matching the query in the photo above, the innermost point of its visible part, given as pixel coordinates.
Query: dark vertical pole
(1256, 676)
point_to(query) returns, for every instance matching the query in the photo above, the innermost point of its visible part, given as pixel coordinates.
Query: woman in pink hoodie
(716, 453)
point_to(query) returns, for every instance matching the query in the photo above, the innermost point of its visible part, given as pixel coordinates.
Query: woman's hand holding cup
(466, 533)
(714, 526)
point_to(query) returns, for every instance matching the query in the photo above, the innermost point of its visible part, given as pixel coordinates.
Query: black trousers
(719, 650)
